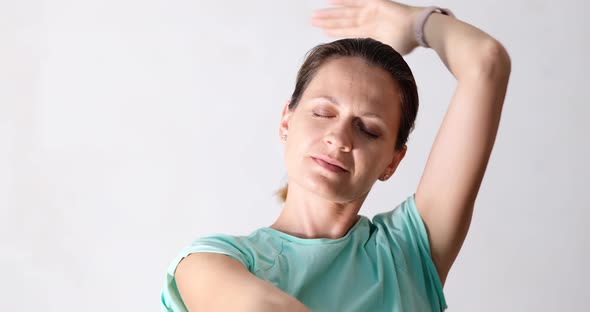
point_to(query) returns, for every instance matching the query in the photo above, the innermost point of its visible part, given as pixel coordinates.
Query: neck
(307, 215)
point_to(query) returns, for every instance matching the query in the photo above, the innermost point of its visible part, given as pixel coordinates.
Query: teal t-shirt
(379, 265)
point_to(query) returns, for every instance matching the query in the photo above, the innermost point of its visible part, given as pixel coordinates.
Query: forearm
(464, 49)
(216, 282)
(276, 300)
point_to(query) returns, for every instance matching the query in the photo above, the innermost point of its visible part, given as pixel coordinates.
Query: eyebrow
(333, 100)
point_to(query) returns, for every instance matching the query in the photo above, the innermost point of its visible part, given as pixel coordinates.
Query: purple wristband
(421, 20)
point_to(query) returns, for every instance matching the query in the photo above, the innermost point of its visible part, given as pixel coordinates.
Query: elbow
(494, 61)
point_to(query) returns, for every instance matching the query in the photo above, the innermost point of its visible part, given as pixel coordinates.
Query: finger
(335, 23)
(336, 13)
(347, 2)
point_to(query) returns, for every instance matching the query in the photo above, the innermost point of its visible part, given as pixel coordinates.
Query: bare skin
(324, 204)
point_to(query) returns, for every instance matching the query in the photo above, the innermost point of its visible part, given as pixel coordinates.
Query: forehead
(356, 83)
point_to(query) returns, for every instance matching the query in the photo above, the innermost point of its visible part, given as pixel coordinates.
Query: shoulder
(403, 216)
(404, 228)
(233, 252)
(253, 250)
(406, 234)
(237, 247)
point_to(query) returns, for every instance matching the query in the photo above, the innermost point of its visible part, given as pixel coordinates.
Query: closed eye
(321, 116)
(361, 127)
(369, 134)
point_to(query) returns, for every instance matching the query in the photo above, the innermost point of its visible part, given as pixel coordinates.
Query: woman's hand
(387, 21)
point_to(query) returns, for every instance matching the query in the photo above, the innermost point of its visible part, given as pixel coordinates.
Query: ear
(397, 158)
(285, 115)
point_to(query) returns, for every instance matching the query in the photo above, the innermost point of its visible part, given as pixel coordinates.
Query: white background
(129, 128)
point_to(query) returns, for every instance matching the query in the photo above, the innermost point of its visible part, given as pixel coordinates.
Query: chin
(315, 179)
(327, 187)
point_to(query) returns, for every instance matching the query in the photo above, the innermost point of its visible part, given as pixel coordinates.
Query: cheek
(310, 131)
(370, 161)
(303, 137)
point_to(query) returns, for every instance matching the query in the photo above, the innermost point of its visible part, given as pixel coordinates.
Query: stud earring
(284, 137)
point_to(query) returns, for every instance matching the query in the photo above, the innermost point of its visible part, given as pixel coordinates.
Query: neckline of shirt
(316, 241)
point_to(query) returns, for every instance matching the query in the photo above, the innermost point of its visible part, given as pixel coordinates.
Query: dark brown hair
(375, 53)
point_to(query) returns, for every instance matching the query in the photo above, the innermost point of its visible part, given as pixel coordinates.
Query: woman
(345, 126)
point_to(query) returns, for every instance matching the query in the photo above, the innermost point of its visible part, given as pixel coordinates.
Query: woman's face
(349, 112)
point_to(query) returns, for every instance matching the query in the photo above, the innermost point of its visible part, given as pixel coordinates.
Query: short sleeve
(232, 246)
(409, 243)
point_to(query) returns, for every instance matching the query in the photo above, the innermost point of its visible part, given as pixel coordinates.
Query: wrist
(420, 21)
(414, 16)
(397, 28)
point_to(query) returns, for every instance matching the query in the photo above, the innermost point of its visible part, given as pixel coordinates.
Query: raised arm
(459, 156)
(446, 194)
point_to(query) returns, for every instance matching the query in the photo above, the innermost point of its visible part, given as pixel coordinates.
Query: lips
(329, 163)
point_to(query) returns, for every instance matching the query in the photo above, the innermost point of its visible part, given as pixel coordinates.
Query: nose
(339, 139)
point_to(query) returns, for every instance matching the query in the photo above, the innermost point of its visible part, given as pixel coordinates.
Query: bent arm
(466, 50)
(454, 171)
(446, 194)
(216, 282)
